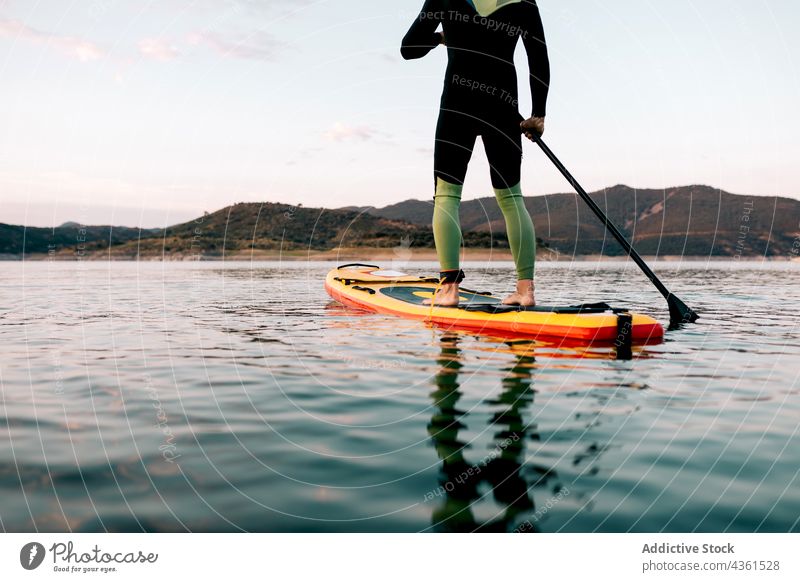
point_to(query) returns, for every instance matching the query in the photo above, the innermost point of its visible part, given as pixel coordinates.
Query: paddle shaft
(678, 310)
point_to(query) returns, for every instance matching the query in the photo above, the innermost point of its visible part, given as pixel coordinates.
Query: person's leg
(504, 151)
(522, 239)
(519, 228)
(454, 143)
(446, 224)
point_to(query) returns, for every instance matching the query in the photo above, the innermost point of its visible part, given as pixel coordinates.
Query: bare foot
(446, 297)
(524, 295)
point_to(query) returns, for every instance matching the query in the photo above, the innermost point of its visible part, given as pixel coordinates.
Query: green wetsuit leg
(519, 227)
(447, 225)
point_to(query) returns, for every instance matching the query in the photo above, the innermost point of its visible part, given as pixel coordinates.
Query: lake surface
(236, 396)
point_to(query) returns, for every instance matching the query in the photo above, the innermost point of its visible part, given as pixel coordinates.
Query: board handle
(358, 265)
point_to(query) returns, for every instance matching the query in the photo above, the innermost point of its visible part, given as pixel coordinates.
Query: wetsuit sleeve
(422, 37)
(538, 60)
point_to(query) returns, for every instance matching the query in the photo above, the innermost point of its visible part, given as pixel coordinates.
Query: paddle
(679, 312)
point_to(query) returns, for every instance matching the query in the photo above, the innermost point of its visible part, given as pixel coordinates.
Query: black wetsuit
(480, 88)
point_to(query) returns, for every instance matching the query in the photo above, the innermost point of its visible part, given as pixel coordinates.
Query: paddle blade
(679, 312)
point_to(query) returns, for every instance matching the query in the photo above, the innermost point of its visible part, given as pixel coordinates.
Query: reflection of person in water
(501, 467)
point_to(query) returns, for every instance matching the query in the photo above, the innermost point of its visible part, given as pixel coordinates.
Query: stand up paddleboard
(394, 293)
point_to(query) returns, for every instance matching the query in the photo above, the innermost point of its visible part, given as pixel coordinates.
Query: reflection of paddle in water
(501, 468)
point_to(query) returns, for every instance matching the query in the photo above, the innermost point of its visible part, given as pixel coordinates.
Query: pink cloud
(257, 46)
(343, 132)
(71, 46)
(230, 7)
(157, 49)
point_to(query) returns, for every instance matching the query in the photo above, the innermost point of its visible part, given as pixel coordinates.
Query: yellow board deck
(391, 292)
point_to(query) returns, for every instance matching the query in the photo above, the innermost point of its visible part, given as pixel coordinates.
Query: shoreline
(374, 254)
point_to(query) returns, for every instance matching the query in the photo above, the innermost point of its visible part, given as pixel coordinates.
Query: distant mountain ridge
(21, 240)
(685, 221)
(236, 228)
(690, 220)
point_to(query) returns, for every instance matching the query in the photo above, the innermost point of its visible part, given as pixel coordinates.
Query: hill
(231, 230)
(691, 220)
(686, 221)
(21, 240)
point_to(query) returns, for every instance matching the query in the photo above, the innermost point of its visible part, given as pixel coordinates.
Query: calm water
(225, 397)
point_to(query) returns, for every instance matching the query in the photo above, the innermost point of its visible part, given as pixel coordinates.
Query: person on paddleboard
(480, 98)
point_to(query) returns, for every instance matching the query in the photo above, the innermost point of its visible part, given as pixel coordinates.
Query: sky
(148, 113)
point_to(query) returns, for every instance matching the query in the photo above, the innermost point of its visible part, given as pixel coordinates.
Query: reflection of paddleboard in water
(396, 293)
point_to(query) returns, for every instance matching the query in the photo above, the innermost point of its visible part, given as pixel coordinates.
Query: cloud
(238, 7)
(157, 49)
(343, 132)
(71, 46)
(257, 46)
